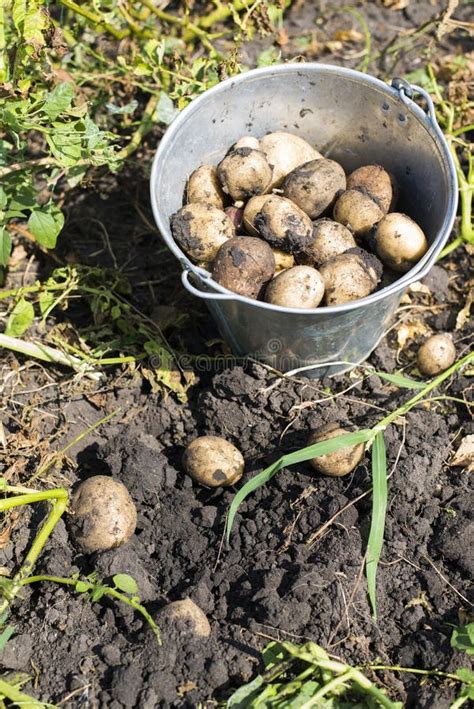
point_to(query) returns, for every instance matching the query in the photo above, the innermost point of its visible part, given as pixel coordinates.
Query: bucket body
(350, 117)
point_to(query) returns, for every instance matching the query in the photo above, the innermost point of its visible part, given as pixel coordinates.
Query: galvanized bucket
(350, 117)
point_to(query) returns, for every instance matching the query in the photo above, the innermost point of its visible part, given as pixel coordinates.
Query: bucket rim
(216, 292)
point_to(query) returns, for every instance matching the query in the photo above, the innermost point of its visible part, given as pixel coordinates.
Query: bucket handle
(407, 92)
(199, 293)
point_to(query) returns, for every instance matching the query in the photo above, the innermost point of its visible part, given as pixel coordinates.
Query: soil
(274, 581)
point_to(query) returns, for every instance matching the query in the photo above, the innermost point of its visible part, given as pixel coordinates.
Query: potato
(203, 186)
(186, 615)
(244, 265)
(283, 260)
(342, 461)
(244, 172)
(284, 225)
(251, 210)
(285, 152)
(201, 229)
(350, 276)
(247, 141)
(376, 183)
(436, 354)
(212, 461)
(329, 239)
(297, 287)
(399, 242)
(315, 185)
(357, 211)
(103, 515)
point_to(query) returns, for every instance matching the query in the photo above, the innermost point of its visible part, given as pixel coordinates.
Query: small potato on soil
(315, 185)
(186, 615)
(201, 229)
(399, 242)
(243, 265)
(244, 172)
(329, 239)
(251, 210)
(350, 276)
(284, 225)
(340, 462)
(377, 183)
(103, 514)
(283, 260)
(203, 186)
(212, 461)
(436, 355)
(285, 152)
(297, 287)
(357, 211)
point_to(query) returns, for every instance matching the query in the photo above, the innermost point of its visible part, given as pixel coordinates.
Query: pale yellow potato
(212, 461)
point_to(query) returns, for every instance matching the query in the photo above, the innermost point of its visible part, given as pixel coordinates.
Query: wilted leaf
(165, 111)
(464, 315)
(464, 456)
(410, 331)
(20, 318)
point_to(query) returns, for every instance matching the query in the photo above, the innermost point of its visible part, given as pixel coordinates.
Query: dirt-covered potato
(329, 239)
(436, 354)
(244, 172)
(285, 152)
(297, 287)
(283, 260)
(350, 276)
(357, 211)
(201, 229)
(284, 225)
(377, 183)
(340, 462)
(315, 185)
(212, 461)
(244, 265)
(203, 186)
(251, 210)
(399, 242)
(103, 515)
(186, 616)
(247, 141)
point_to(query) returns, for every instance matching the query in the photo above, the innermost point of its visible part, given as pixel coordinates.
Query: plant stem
(192, 29)
(413, 670)
(146, 124)
(94, 19)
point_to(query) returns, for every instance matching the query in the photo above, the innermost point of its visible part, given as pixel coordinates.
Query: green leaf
(5, 246)
(20, 318)
(462, 638)
(377, 525)
(244, 696)
(400, 381)
(18, 14)
(45, 224)
(125, 583)
(59, 100)
(6, 635)
(322, 448)
(268, 57)
(82, 586)
(165, 111)
(46, 300)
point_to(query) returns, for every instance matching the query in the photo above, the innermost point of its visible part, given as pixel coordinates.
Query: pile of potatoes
(277, 221)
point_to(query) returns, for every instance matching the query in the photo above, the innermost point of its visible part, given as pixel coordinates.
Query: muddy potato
(399, 242)
(203, 186)
(244, 172)
(436, 354)
(329, 239)
(297, 287)
(350, 276)
(357, 211)
(377, 183)
(315, 185)
(212, 461)
(340, 462)
(251, 210)
(284, 225)
(285, 152)
(283, 260)
(247, 141)
(201, 229)
(243, 265)
(186, 615)
(103, 515)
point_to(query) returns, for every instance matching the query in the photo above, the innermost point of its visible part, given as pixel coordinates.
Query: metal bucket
(350, 117)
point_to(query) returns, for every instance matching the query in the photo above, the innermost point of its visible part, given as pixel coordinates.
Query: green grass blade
(400, 381)
(379, 507)
(322, 448)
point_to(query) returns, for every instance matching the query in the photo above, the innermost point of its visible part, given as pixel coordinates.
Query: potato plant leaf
(20, 318)
(126, 583)
(59, 100)
(462, 638)
(377, 525)
(45, 223)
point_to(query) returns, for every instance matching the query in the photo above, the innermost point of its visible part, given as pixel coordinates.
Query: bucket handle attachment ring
(199, 293)
(407, 92)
